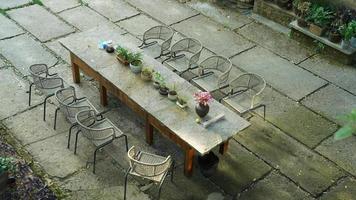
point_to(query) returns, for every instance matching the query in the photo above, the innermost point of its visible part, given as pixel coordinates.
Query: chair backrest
(147, 169)
(220, 64)
(87, 119)
(66, 98)
(160, 32)
(190, 45)
(40, 76)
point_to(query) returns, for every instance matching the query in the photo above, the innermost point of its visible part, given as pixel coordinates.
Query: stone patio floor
(291, 155)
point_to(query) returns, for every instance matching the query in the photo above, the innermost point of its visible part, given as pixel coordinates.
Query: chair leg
(44, 106)
(70, 134)
(125, 186)
(76, 142)
(29, 94)
(96, 150)
(55, 119)
(126, 143)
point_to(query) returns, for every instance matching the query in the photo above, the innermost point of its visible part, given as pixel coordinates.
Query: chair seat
(83, 102)
(151, 159)
(104, 124)
(241, 103)
(207, 83)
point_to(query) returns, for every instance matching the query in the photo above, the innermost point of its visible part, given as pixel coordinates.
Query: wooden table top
(180, 121)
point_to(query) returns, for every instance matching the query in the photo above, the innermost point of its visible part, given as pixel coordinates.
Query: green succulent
(7, 164)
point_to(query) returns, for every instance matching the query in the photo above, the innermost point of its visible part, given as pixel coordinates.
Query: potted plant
(172, 94)
(346, 32)
(319, 18)
(122, 55)
(135, 60)
(7, 166)
(163, 89)
(146, 74)
(349, 128)
(157, 79)
(303, 9)
(203, 99)
(334, 32)
(181, 102)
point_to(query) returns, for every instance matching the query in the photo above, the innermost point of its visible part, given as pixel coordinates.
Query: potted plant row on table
(128, 58)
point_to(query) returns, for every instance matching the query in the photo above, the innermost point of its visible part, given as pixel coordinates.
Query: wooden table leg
(188, 164)
(103, 95)
(223, 147)
(149, 132)
(75, 69)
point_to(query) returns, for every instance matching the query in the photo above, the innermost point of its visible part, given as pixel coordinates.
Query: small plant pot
(334, 37)
(135, 69)
(182, 106)
(163, 91)
(316, 30)
(122, 60)
(353, 42)
(156, 85)
(146, 77)
(345, 44)
(302, 23)
(172, 95)
(3, 182)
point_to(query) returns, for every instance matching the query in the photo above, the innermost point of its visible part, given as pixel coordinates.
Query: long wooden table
(158, 111)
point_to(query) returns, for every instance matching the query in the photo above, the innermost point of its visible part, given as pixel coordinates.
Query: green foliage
(159, 78)
(319, 46)
(122, 52)
(39, 2)
(349, 128)
(182, 100)
(348, 30)
(7, 164)
(135, 58)
(82, 3)
(147, 71)
(320, 16)
(3, 12)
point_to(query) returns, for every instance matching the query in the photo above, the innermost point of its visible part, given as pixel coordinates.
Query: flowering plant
(203, 98)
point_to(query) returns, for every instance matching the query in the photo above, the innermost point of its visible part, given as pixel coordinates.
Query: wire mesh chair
(45, 82)
(213, 73)
(99, 130)
(158, 33)
(148, 166)
(242, 93)
(70, 105)
(180, 49)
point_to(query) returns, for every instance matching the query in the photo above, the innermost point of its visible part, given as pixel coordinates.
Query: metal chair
(242, 93)
(148, 166)
(213, 73)
(70, 105)
(99, 130)
(45, 82)
(180, 49)
(158, 33)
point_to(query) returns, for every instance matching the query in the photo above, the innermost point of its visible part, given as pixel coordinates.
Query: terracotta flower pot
(122, 60)
(202, 110)
(316, 30)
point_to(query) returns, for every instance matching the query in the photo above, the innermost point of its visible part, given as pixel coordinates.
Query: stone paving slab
(6, 4)
(167, 11)
(311, 171)
(274, 186)
(278, 43)
(295, 119)
(331, 102)
(213, 36)
(114, 10)
(58, 49)
(84, 18)
(23, 51)
(12, 93)
(2, 63)
(224, 15)
(138, 25)
(8, 28)
(41, 23)
(278, 72)
(60, 5)
(343, 191)
(237, 169)
(341, 152)
(337, 73)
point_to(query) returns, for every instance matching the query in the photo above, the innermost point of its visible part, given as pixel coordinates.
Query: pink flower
(203, 98)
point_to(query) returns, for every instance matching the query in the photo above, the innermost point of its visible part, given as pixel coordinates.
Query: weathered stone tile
(311, 171)
(168, 12)
(341, 152)
(23, 51)
(276, 42)
(138, 25)
(2, 63)
(343, 191)
(115, 10)
(274, 186)
(335, 72)
(60, 5)
(29, 127)
(84, 18)
(41, 23)
(57, 48)
(331, 102)
(213, 36)
(295, 119)
(278, 72)
(237, 169)
(8, 28)
(222, 14)
(6, 4)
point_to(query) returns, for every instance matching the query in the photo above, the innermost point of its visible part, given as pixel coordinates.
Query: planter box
(273, 12)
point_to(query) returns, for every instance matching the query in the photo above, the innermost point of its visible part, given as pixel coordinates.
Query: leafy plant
(135, 58)
(319, 46)
(348, 30)
(122, 52)
(349, 128)
(303, 8)
(159, 78)
(147, 71)
(7, 164)
(320, 16)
